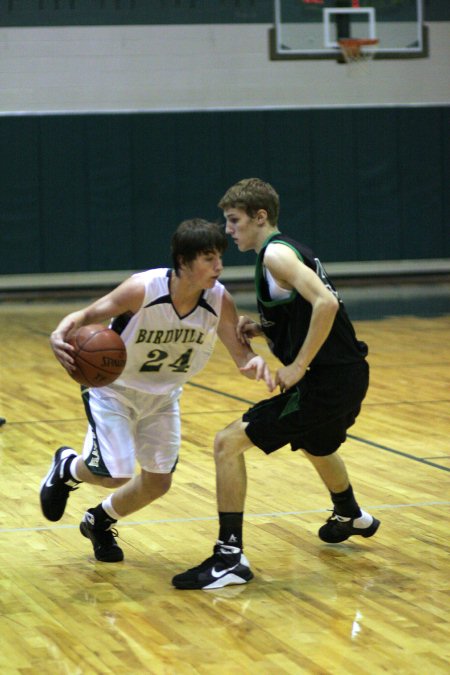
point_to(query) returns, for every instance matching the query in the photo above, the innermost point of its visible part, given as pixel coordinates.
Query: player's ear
(183, 263)
(261, 216)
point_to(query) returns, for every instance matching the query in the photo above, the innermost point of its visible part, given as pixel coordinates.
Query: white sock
(109, 508)
(72, 466)
(363, 521)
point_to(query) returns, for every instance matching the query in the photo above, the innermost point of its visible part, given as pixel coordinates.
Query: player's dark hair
(195, 236)
(252, 194)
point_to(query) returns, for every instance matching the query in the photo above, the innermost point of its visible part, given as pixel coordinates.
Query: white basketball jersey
(165, 350)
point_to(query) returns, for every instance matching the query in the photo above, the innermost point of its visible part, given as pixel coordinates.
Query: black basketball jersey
(285, 322)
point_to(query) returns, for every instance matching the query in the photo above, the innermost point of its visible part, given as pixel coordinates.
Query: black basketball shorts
(314, 415)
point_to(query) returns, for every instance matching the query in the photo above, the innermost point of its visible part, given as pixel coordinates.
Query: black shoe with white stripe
(57, 485)
(339, 528)
(227, 566)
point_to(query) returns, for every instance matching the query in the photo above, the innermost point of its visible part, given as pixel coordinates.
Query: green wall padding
(166, 12)
(105, 191)
(20, 208)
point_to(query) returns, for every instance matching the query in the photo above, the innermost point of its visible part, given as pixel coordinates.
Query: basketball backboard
(310, 29)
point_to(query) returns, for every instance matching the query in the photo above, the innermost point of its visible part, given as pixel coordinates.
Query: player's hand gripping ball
(100, 355)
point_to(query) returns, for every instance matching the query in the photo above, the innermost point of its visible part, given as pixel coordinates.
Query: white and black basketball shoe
(57, 485)
(228, 565)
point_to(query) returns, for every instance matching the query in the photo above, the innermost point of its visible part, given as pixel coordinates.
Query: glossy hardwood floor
(366, 606)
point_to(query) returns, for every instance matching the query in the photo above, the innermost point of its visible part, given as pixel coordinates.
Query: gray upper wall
(198, 67)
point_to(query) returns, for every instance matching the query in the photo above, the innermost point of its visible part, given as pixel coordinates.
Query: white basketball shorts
(127, 425)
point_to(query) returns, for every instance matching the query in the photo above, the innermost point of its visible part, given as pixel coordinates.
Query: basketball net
(358, 51)
(355, 51)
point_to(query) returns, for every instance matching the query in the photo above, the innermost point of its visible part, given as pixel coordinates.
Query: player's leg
(331, 470)
(140, 491)
(332, 404)
(231, 476)
(155, 431)
(264, 426)
(99, 521)
(100, 463)
(109, 460)
(67, 471)
(228, 564)
(348, 518)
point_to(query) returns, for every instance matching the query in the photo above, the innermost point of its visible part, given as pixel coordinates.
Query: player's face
(242, 228)
(205, 269)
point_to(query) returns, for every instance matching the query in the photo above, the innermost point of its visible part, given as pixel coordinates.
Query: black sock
(345, 503)
(101, 518)
(230, 531)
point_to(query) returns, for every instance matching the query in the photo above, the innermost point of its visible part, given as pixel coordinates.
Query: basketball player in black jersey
(323, 379)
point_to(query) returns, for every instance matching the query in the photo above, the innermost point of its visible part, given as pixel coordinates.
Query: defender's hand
(247, 329)
(287, 376)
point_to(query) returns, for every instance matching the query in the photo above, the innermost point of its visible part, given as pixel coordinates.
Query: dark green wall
(104, 192)
(165, 12)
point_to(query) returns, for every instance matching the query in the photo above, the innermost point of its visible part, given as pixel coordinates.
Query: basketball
(100, 355)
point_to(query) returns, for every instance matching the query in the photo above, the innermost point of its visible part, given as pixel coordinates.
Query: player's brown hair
(252, 194)
(193, 237)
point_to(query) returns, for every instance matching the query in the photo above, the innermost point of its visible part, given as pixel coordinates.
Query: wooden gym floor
(365, 606)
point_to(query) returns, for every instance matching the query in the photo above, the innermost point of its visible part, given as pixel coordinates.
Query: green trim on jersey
(259, 271)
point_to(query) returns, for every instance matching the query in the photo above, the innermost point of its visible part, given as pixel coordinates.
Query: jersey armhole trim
(297, 253)
(294, 292)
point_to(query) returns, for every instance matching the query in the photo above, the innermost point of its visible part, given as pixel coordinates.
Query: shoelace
(336, 517)
(106, 537)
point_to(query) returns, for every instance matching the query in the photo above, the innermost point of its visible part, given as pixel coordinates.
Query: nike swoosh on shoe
(222, 573)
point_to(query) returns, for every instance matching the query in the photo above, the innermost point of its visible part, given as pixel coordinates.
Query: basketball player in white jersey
(169, 320)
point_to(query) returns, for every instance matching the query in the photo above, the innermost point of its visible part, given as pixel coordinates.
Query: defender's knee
(223, 446)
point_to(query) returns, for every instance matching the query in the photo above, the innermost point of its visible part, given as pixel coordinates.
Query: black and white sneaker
(103, 539)
(228, 565)
(339, 528)
(55, 489)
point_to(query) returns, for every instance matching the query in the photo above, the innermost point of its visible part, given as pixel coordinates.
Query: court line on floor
(355, 438)
(221, 393)
(399, 452)
(200, 519)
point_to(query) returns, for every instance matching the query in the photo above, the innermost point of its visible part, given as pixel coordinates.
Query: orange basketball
(100, 355)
